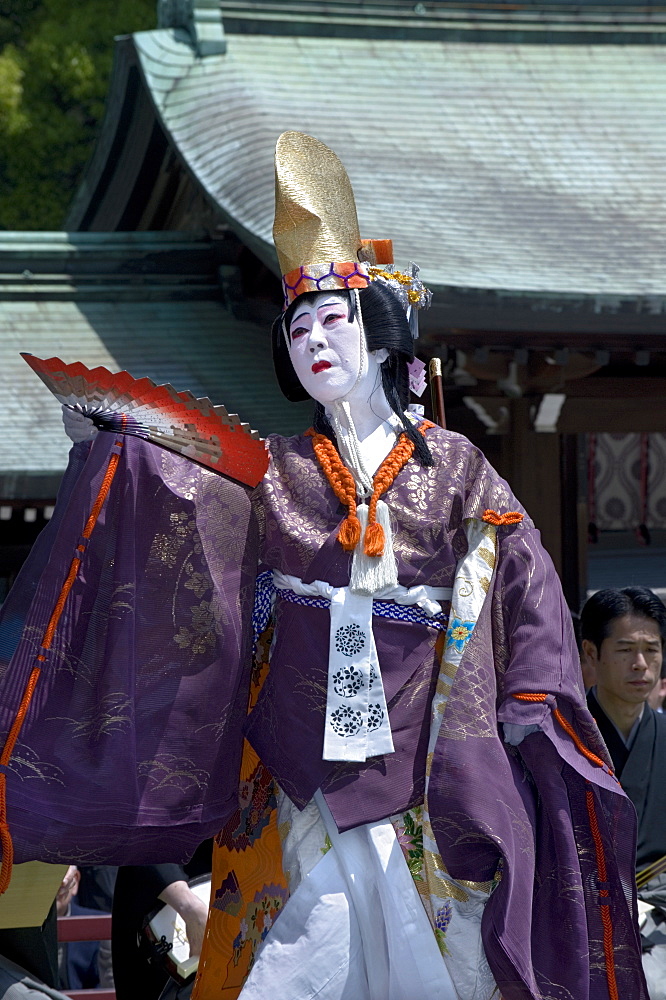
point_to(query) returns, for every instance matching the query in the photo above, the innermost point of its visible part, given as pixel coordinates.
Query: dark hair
(606, 605)
(386, 326)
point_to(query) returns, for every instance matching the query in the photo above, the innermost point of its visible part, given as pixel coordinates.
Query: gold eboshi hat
(316, 229)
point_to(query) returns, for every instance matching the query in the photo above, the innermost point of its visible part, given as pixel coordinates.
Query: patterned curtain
(627, 481)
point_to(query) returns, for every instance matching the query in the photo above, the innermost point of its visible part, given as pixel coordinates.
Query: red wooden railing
(87, 928)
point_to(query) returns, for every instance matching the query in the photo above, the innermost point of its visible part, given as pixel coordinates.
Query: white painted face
(327, 351)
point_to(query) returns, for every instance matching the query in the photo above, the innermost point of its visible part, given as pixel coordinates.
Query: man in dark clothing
(139, 890)
(33, 949)
(623, 634)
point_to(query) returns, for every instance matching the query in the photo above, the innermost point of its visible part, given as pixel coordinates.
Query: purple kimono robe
(130, 752)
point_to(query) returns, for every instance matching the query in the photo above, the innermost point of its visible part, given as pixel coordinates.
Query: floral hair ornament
(407, 287)
(316, 231)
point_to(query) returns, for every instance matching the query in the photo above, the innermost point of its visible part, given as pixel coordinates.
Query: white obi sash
(357, 724)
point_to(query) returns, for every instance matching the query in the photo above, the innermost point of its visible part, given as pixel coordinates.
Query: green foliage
(55, 66)
(12, 119)
(14, 15)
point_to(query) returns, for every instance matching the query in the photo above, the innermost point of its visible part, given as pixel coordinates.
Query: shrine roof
(540, 21)
(517, 168)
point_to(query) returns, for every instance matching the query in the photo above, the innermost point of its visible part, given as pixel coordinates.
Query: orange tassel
(349, 534)
(374, 540)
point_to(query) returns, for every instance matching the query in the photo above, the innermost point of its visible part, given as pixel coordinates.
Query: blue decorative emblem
(458, 633)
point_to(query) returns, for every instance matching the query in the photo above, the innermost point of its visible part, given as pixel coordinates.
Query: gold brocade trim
(444, 686)
(477, 886)
(448, 668)
(487, 556)
(470, 591)
(439, 884)
(283, 831)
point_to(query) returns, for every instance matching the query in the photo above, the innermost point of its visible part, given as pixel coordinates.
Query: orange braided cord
(493, 517)
(12, 737)
(8, 749)
(335, 470)
(382, 480)
(103, 490)
(76, 561)
(60, 604)
(5, 839)
(606, 919)
(384, 477)
(26, 698)
(569, 730)
(343, 485)
(5, 835)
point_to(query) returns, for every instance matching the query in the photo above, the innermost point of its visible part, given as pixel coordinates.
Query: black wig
(386, 326)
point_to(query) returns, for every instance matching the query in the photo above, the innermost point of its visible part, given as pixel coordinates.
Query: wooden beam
(617, 388)
(613, 415)
(492, 412)
(531, 464)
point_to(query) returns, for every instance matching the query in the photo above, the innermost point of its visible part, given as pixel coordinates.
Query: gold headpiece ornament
(316, 231)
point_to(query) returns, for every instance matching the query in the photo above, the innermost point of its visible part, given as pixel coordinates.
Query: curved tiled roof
(532, 168)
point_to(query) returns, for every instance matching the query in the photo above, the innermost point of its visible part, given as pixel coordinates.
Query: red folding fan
(175, 420)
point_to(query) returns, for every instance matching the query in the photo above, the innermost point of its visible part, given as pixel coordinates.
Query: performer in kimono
(426, 809)
(623, 633)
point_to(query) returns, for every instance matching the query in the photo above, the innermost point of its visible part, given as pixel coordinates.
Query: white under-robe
(355, 927)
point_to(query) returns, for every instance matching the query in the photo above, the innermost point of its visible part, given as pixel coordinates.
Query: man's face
(325, 348)
(629, 662)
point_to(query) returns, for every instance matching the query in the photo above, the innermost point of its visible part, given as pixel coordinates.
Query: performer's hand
(514, 734)
(78, 427)
(192, 909)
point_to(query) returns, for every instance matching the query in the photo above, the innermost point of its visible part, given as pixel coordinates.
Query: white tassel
(370, 574)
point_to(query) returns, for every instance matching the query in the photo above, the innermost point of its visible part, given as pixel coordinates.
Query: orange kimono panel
(248, 887)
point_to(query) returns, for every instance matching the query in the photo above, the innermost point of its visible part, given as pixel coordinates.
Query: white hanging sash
(357, 723)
